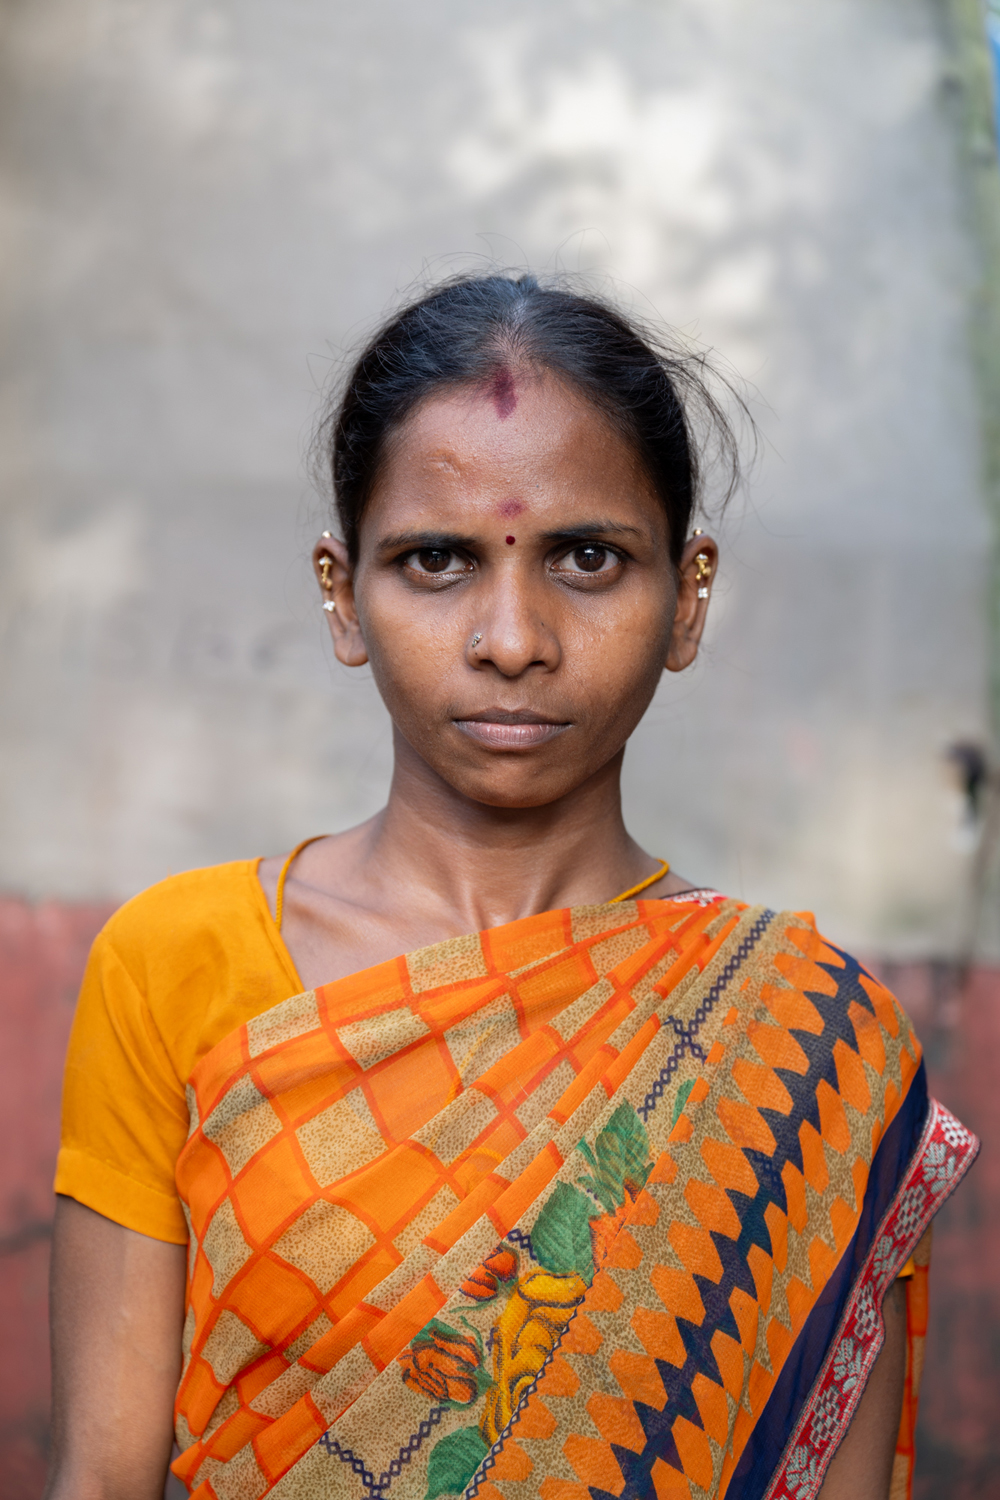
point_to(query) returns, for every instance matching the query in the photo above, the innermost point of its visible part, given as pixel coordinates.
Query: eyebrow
(592, 528)
(417, 540)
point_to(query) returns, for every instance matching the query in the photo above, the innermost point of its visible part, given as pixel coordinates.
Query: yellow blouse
(174, 971)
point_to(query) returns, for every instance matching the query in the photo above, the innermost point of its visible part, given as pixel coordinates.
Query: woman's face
(514, 591)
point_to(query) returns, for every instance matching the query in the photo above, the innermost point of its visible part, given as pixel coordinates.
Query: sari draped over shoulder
(601, 1203)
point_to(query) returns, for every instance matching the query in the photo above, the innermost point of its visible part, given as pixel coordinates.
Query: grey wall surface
(204, 204)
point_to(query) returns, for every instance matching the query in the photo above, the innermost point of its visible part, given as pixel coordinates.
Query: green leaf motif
(445, 1330)
(621, 1159)
(681, 1100)
(561, 1235)
(453, 1462)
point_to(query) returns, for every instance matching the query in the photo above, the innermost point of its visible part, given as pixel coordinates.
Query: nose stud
(476, 639)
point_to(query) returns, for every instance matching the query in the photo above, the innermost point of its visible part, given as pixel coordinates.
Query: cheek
(612, 669)
(631, 639)
(618, 675)
(411, 655)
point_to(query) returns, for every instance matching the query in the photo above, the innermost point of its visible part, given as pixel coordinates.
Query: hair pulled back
(467, 330)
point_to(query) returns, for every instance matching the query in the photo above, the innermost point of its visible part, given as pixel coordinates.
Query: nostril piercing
(476, 639)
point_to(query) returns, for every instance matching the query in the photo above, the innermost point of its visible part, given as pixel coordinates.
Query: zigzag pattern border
(377, 1487)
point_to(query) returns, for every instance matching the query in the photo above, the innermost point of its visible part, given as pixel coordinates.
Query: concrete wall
(204, 203)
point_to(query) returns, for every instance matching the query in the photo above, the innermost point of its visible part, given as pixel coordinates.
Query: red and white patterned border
(945, 1153)
(704, 895)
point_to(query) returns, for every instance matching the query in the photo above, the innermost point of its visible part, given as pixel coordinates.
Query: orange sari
(589, 1204)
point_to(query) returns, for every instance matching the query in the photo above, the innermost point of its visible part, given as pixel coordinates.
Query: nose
(514, 635)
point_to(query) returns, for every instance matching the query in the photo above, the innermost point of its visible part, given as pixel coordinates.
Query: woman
(610, 1185)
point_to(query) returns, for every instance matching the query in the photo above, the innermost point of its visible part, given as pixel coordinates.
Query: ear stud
(703, 572)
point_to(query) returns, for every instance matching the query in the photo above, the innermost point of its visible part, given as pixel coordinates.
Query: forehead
(539, 442)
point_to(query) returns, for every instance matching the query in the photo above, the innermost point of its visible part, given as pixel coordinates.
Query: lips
(502, 730)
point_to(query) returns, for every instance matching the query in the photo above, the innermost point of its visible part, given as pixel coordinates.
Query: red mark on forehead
(504, 394)
(511, 540)
(509, 508)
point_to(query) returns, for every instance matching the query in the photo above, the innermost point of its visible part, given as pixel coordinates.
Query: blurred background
(205, 205)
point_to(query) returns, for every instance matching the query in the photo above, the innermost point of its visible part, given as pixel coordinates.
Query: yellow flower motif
(524, 1336)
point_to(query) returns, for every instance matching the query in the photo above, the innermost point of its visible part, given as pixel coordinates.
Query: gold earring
(325, 572)
(703, 572)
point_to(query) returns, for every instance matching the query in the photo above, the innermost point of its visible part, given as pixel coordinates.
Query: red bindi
(510, 541)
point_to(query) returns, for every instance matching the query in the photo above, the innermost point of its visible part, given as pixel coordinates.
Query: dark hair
(470, 329)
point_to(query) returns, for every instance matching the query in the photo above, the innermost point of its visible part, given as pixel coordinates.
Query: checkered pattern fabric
(538, 1211)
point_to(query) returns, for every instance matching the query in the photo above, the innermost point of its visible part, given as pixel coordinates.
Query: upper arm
(117, 1318)
(861, 1468)
(124, 1114)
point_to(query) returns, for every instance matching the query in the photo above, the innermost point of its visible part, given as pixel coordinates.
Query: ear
(335, 577)
(698, 566)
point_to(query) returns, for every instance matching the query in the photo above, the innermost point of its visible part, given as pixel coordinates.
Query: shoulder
(190, 959)
(214, 887)
(172, 970)
(216, 904)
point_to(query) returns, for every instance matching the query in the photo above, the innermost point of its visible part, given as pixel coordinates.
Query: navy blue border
(766, 1444)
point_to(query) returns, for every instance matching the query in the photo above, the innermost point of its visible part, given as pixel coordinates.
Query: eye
(589, 557)
(437, 561)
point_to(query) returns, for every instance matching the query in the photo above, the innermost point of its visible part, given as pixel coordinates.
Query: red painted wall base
(958, 1437)
(42, 953)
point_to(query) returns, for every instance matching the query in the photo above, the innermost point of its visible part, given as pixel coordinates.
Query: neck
(490, 865)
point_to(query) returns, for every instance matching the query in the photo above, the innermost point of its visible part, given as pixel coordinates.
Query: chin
(515, 793)
(515, 803)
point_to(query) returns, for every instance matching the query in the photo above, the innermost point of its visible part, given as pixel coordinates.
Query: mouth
(505, 730)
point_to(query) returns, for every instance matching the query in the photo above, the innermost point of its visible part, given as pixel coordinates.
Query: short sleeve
(125, 1118)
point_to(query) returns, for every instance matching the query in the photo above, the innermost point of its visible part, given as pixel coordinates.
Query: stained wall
(204, 205)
